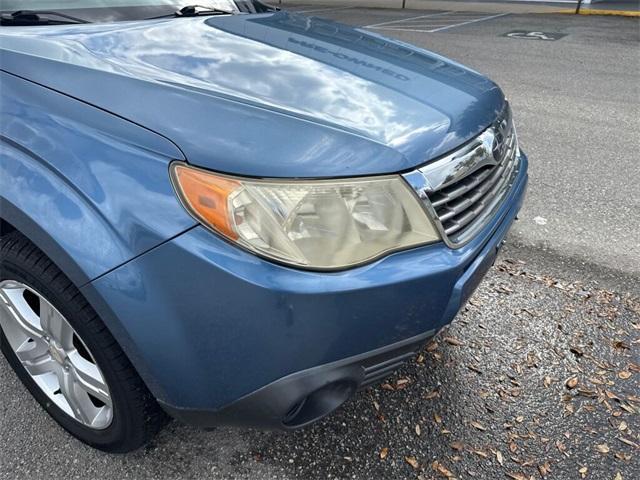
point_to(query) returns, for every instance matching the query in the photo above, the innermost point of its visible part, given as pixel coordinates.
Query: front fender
(89, 188)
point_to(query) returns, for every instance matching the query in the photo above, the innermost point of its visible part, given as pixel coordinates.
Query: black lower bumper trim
(306, 396)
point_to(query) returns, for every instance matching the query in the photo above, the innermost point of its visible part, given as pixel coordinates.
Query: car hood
(275, 95)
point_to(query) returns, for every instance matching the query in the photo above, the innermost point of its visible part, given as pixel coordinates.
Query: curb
(591, 11)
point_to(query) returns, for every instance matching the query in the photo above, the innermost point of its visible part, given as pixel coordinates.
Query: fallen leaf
(583, 471)
(441, 469)
(517, 476)
(620, 345)
(432, 394)
(413, 462)
(628, 408)
(474, 368)
(628, 442)
(453, 341)
(499, 457)
(624, 375)
(437, 418)
(572, 382)
(622, 456)
(418, 431)
(480, 453)
(383, 453)
(544, 469)
(561, 447)
(478, 425)
(585, 392)
(603, 448)
(402, 383)
(503, 289)
(457, 446)
(618, 476)
(610, 395)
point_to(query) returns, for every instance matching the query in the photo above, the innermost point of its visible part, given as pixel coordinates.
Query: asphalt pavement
(539, 376)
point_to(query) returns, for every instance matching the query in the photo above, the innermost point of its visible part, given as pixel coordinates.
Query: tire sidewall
(80, 319)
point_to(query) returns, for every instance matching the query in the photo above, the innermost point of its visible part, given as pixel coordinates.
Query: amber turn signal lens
(206, 195)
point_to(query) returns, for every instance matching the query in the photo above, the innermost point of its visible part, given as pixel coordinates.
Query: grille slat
(478, 207)
(463, 205)
(459, 190)
(459, 207)
(456, 208)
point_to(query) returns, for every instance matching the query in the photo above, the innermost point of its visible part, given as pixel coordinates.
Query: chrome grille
(464, 189)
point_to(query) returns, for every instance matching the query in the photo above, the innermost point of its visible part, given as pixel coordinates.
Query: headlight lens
(322, 224)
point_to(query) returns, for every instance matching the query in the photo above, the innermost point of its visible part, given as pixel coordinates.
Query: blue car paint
(97, 112)
(90, 189)
(229, 315)
(228, 89)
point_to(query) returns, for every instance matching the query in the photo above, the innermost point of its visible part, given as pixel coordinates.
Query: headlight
(318, 224)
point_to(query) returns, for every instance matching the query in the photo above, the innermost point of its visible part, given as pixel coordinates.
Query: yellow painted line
(592, 11)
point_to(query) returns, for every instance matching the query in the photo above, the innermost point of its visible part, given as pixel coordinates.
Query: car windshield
(121, 10)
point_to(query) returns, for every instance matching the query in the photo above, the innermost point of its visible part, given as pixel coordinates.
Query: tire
(134, 415)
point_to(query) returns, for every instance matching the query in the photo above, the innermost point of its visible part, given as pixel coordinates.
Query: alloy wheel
(54, 355)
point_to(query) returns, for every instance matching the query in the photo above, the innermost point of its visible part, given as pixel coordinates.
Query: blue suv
(231, 214)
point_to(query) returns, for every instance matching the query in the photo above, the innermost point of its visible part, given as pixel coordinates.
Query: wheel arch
(90, 189)
(14, 220)
(6, 227)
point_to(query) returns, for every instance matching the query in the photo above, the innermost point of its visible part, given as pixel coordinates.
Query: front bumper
(224, 337)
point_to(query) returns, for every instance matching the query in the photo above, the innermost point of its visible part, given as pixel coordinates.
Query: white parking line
(466, 23)
(429, 24)
(442, 20)
(404, 19)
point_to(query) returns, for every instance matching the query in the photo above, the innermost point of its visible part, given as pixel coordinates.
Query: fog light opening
(319, 403)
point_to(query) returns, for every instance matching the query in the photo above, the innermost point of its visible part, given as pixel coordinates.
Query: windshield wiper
(38, 17)
(194, 11)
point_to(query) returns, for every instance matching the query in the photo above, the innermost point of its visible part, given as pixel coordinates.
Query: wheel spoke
(102, 417)
(71, 393)
(55, 325)
(12, 302)
(89, 378)
(35, 357)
